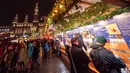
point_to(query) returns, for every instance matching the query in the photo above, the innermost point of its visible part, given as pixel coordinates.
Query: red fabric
(29, 63)
(0, 51)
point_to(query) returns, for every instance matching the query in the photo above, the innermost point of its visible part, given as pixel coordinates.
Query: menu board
(127, 39)
(124, 27)
(113, 29)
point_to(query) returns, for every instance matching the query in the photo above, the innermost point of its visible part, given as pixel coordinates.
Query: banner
(123, 22)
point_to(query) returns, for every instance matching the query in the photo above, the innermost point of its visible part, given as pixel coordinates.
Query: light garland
(58, 8)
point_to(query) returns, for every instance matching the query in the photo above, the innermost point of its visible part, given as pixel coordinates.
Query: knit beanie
(101, 40)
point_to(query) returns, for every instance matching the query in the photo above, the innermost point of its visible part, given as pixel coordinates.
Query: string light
(58, 6)
(53, 14)
(56, 11)
(61, 6)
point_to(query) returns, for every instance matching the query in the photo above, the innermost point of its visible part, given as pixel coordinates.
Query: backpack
(96, 59)
(46, 48)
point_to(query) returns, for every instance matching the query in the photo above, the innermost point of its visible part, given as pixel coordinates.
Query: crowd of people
(79, 56)
(24, 56)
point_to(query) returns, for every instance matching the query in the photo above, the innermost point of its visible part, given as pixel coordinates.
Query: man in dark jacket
(35, 54)
(52, 46)
(79, 57)
(104, 60)
(80, 40)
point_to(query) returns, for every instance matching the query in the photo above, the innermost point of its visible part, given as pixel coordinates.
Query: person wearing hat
(79, 58)
(103, 59)
(101, 40)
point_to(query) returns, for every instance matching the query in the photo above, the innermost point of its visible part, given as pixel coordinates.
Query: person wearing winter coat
(8, 58)
(80, 40)
(79, 58)
(22, 57)
(15, 58)
(103, 59)
(52, 46)
(57, 44)
(35, 54)
(46, 48)
(30, 50)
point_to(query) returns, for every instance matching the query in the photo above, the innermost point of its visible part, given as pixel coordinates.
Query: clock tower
(36, 18)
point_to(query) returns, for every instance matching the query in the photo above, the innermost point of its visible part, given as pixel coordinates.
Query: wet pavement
(52, 65)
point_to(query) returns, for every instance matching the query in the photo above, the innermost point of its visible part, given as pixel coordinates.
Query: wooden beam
(117, 2)
(86, 3)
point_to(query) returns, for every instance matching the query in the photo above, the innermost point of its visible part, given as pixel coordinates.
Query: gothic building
(19, 29)
(5, 29)
(27, 28)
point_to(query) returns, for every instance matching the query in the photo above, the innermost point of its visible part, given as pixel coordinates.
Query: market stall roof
(122, 3)
(91, 1)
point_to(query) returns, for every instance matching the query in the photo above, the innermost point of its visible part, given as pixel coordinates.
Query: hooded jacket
(30, 50)
(22, 54)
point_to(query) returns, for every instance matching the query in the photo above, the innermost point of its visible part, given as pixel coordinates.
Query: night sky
(9, 8)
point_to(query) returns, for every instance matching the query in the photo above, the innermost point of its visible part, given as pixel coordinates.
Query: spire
(26, 19)
(36, 11)
(15, 19)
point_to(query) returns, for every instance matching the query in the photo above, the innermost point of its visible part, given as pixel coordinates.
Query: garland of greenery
(108, 16)
(77, 18)
(90, 16)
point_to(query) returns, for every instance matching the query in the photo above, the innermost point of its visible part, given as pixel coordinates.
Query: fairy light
(53, 14)
(61, 6)
(56, 11)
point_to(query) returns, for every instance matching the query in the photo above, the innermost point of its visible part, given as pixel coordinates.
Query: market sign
(123, 22)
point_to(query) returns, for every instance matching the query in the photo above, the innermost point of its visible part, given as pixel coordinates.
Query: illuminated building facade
(5, 29)
(19, 29)
(25, 28)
